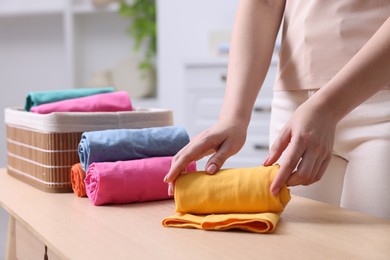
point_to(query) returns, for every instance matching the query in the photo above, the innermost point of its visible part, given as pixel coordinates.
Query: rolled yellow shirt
(237, 198)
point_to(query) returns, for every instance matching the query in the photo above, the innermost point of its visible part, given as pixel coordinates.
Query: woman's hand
(308, 136)
(224, 139)
(307, 142)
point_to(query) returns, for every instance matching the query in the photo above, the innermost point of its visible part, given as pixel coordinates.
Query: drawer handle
(260, 147)
(224, 77)
(262, 109)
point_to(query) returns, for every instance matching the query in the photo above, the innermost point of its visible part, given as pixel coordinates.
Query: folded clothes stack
(78, 100)
(128, 144)
(106, 102)
(231, 199)
(125, 160)
(36, 98)
(129, 165)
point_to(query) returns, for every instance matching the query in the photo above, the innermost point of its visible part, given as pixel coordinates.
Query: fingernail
(211, 169)
(165, 178)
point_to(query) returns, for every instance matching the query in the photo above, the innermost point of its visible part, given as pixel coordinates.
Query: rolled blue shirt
(128, 144)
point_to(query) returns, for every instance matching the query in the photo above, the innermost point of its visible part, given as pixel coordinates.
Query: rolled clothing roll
(129, 181)
(128, 144)
(36, 98)
(77, 176)
(105, 102)
(230, 199)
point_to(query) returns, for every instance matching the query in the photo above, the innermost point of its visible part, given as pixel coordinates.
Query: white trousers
(358, 176)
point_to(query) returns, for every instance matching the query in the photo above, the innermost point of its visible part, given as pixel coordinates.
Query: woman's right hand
(224, 139)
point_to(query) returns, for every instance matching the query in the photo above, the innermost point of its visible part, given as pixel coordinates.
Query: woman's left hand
(307, 143)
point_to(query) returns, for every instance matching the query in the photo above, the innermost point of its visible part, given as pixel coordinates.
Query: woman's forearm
(365, 74)
(253, 38)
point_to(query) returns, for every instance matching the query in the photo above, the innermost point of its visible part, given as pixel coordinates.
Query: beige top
(320, 37)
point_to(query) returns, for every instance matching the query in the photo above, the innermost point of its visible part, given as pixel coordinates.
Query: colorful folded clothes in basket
(231, 199)
(105, 102)
(129, 181)
(128, 144)
(42, 97)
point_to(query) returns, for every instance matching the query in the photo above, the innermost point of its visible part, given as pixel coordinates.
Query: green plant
(142, 28)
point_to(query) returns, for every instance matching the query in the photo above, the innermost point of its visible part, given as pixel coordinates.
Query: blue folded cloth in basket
(128, 144)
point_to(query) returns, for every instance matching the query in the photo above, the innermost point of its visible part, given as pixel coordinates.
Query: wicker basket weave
(41, 149)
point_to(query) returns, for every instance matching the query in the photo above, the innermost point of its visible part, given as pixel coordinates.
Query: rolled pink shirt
(129, 181)
(106, 102)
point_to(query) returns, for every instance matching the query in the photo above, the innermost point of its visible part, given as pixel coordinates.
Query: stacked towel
(43, 97)
(106, 102)
(129, 181)
(77, 176)
(230, 199)
(129, 144)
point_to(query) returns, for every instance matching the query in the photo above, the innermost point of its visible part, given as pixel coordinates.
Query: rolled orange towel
(77, 176)
(231, 199)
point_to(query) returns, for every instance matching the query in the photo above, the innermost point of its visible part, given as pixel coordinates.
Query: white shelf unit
(85, 39)
(20, 8)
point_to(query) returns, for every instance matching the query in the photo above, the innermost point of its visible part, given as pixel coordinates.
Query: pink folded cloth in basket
(129, 181)
(106, 102)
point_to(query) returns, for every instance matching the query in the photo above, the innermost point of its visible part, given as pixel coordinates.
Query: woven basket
(41, 149)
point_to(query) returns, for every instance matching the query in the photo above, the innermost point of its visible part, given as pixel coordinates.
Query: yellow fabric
(259, 223)
(231, 199)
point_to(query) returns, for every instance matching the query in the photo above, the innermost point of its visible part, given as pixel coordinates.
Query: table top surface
(75, 229)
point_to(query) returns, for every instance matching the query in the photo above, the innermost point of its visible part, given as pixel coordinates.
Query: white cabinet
(59, 30)
(204, 87)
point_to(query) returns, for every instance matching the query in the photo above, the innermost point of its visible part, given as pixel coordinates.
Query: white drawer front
(258, 128)
(208, 77)
(203, 112)
(209, 106)
(214, 77)
(254, 146)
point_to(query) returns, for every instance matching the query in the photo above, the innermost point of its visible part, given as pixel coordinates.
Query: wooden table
(68, 227)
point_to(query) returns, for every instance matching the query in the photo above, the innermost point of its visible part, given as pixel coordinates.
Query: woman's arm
(309, 134)
(252, 44)
(253, 38)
